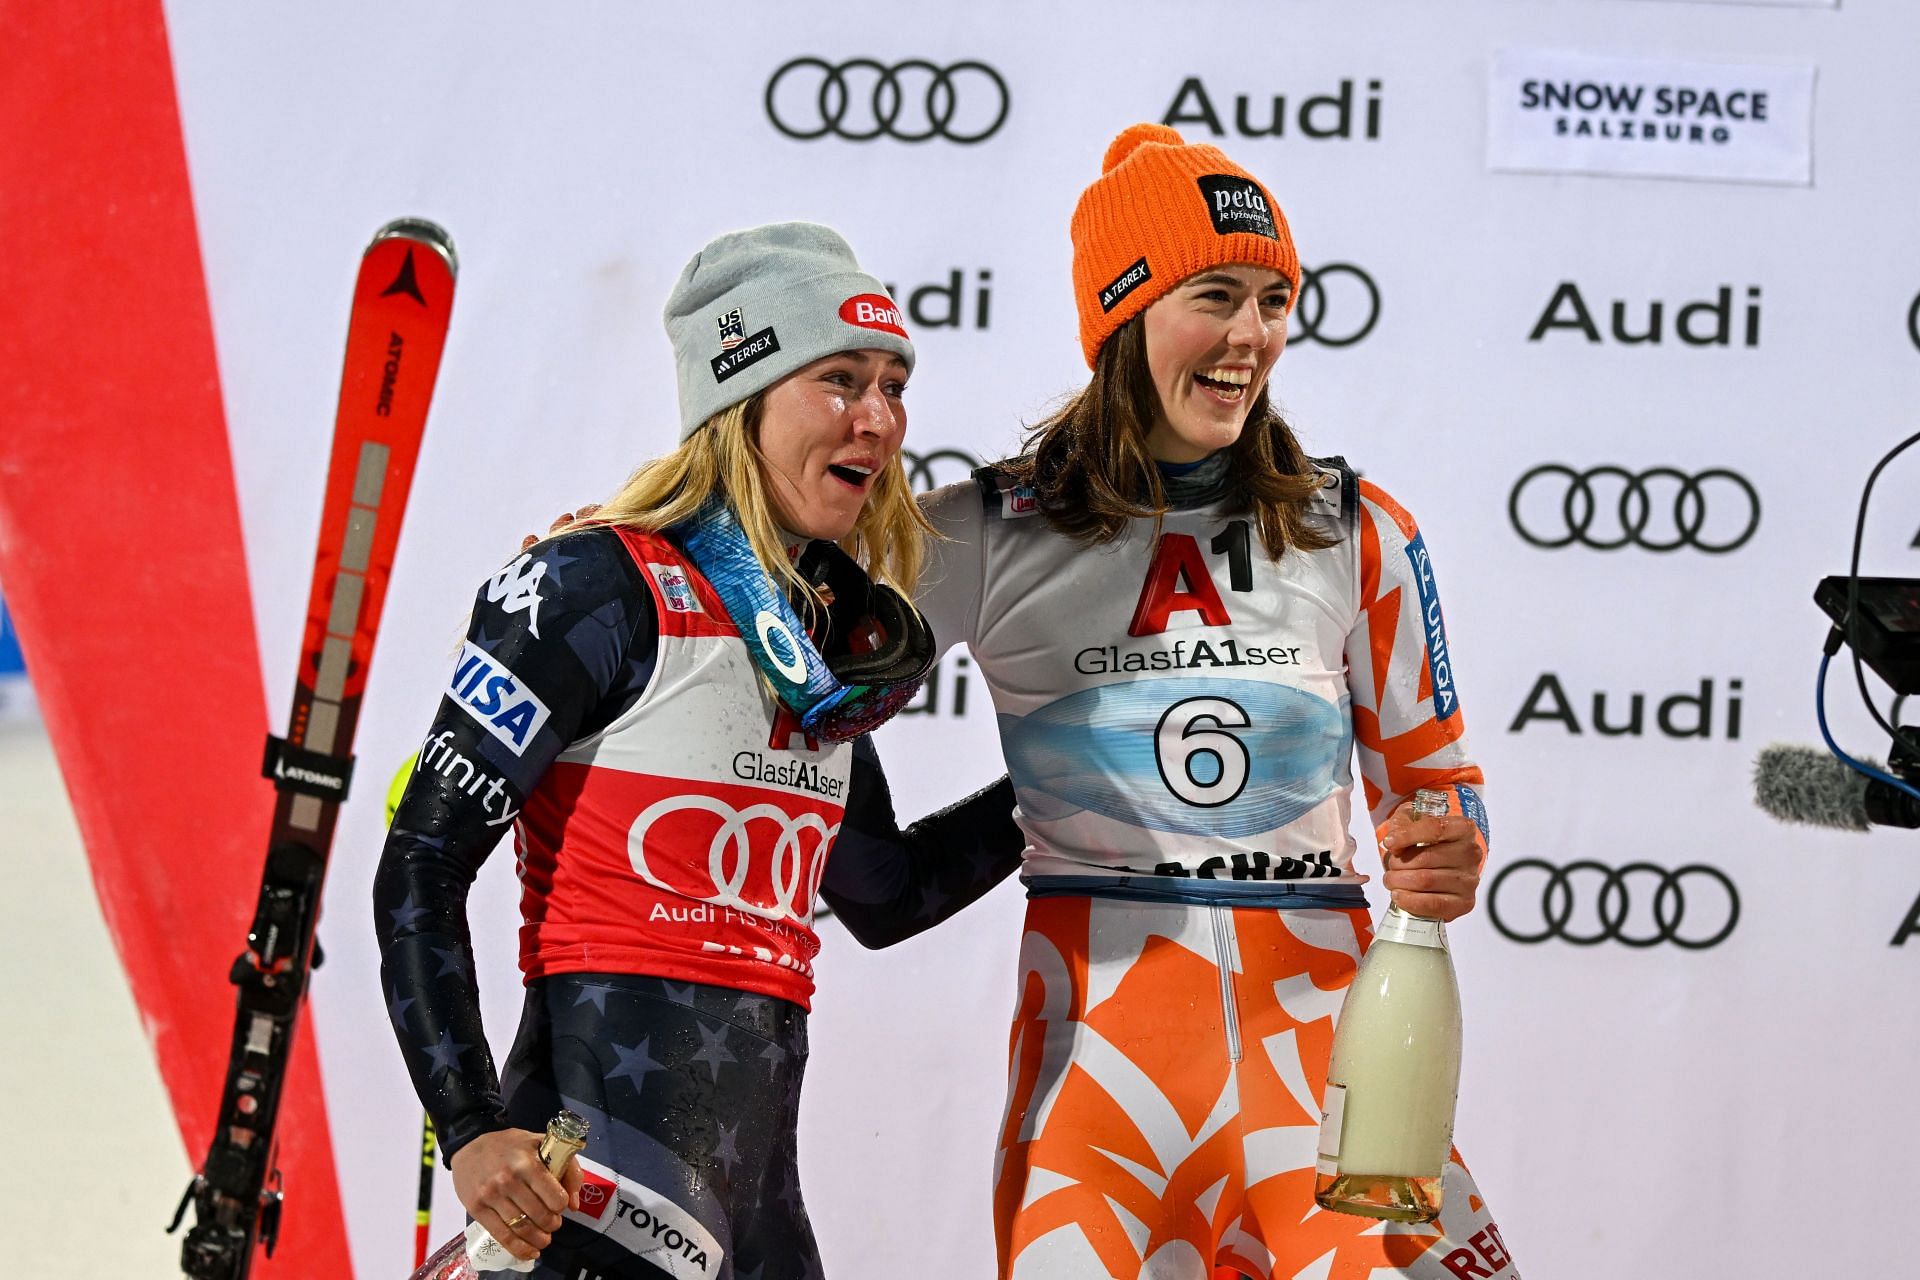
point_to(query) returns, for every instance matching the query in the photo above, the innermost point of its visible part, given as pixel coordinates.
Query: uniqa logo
(860, 99)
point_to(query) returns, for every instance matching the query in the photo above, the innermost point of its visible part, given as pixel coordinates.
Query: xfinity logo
(1275, 115)
(1680, 715)
(438, 756)
(1707, 322)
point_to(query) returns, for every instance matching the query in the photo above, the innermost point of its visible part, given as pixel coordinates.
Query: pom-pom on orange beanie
(1161, 210)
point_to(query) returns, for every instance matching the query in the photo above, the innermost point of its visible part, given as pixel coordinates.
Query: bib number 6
(1199, 760)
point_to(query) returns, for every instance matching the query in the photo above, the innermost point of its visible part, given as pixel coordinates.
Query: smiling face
(1211, 342)
(826, 431)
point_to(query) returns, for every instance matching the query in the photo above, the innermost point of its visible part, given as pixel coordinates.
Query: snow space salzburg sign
(1556, 112)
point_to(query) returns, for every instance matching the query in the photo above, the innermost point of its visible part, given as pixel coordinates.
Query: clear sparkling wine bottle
(1386, 1126)
(473, 1253)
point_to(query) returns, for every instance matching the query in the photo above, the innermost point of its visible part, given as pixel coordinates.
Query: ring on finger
(516, 1221)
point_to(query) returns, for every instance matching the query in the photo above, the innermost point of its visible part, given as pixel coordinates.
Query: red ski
(402, 301)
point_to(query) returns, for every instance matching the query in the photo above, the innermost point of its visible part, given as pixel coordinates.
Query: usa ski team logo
(1022, 500)
(517, 587)
(733, 330)
(675, 588)
(489, 692)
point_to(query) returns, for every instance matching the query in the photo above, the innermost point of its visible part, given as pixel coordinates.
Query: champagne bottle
(475, 1253)
(1386, 1126)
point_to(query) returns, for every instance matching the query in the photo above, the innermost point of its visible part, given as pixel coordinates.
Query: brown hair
(723, 456)
(1089, 467)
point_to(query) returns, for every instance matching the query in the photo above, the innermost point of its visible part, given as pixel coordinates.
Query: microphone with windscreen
(1804, 784)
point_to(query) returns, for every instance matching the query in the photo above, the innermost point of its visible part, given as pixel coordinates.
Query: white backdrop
(1648, 1111)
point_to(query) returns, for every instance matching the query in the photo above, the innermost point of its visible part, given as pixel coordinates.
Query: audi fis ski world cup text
(774, 880)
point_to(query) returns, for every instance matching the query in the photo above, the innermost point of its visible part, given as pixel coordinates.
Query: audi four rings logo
(911, 101)
(779, 885)
(1339, 305)
(1638, 905)
(1658, 509)
(928, 471)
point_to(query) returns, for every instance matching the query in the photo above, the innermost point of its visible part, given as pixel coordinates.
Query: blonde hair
(723, 457)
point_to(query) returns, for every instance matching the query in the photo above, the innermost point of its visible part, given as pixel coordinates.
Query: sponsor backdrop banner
(1632, 417)
(1560, 112)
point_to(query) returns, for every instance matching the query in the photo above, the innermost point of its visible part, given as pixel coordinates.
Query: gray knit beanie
(755, 305)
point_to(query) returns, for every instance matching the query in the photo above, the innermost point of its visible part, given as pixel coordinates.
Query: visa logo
(494, 696)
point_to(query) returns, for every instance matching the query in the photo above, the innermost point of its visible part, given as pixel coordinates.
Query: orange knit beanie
(1162, 210)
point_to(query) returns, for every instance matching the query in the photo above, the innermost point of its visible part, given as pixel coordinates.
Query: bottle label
(1333, 1113)
(487, 1254)
(1415, 931)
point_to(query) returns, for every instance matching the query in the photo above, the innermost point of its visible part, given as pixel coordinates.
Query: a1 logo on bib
(1237, 205)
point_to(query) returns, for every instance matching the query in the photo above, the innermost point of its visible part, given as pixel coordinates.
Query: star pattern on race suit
(397, 1008)
(713, 1050)
(406, 915)
(451, 961)
(679, 994)
(727, 1150)
(446, 1054)
(790, 1189)
(594, 993)
(931, 900)
(636, 1063)
(774, 1054)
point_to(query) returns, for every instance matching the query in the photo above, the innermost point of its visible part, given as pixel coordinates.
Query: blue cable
(1820, 713)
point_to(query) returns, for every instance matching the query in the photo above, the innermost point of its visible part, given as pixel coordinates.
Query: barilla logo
(674, 586)
(1439, 663)
(874, 311)
(498, 699)
(1237, 205)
